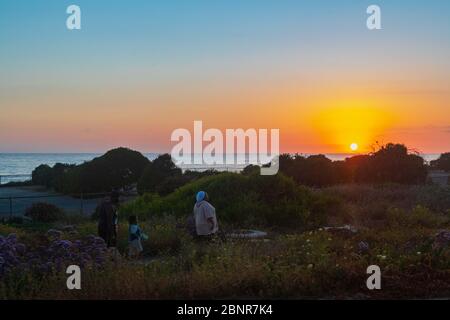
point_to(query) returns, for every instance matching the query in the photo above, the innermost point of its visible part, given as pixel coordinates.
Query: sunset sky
(137, 70)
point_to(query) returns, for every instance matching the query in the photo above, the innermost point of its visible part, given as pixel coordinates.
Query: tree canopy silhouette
(390, 164)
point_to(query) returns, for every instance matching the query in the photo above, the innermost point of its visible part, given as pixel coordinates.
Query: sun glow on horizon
(354, 146)
(341, 123)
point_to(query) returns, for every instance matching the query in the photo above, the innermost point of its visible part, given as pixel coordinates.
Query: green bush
(44, 212)
(417, 217)
(242, 200)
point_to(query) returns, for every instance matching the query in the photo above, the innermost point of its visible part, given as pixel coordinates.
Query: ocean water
(18, 166)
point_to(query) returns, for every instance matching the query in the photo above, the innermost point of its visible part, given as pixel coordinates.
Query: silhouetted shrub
(42, 175)
(44, 212)
(51, 177)
(315, 171)
(114, 170)
(358, 168)
(251, 169)
(160, 176)
(60, 172)
(391, 164)
(443, 163)
(117, 168)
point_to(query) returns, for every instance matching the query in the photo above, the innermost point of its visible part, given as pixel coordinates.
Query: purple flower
(90, 238)
(20, 248)
(65, 243)
(363, 247)
(16, 257)
(11, 238)
(99, 241)
(55, 234)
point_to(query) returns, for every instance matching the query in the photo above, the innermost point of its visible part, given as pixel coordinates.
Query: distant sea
(19, 166)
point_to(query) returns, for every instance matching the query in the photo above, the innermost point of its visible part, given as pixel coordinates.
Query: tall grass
(315, 264)
(302, 260)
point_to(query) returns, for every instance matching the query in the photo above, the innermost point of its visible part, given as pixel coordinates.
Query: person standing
(108, 219)
(135, 235)
(206, 225)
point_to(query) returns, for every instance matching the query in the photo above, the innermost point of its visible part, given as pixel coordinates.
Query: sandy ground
(38, 194)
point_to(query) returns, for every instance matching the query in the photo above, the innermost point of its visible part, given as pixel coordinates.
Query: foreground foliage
(313, 262)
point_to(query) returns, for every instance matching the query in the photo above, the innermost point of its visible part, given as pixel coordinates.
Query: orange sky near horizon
(311, 69)
(311, 120)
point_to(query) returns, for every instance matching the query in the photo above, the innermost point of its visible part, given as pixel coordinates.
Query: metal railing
(82, 202)
(15, 177)
(223, 168)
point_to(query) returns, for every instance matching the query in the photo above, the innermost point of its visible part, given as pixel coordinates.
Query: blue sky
(180, 33)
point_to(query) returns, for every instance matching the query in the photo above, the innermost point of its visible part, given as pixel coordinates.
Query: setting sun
(338, 122)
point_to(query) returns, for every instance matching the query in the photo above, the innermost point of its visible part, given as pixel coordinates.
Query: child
(134, 238)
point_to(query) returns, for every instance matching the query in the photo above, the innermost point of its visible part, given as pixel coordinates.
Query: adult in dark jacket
(108, 219)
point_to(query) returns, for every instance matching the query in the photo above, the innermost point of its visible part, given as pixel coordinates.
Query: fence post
(81, 203)
(10, 208)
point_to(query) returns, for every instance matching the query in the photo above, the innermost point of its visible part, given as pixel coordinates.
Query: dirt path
(24, 197)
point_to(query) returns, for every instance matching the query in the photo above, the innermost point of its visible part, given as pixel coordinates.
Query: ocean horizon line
(23, 164)
(154, 152)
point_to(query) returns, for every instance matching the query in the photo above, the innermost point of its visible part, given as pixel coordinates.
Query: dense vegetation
(390, 164)
(124, 168)
(327, 221)
(44, 212)
(273, 201)
(162, 176)
(443, 163)
(117, 168)
(404, 239)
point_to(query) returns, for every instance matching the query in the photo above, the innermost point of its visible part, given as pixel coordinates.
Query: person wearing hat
(206, 225)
